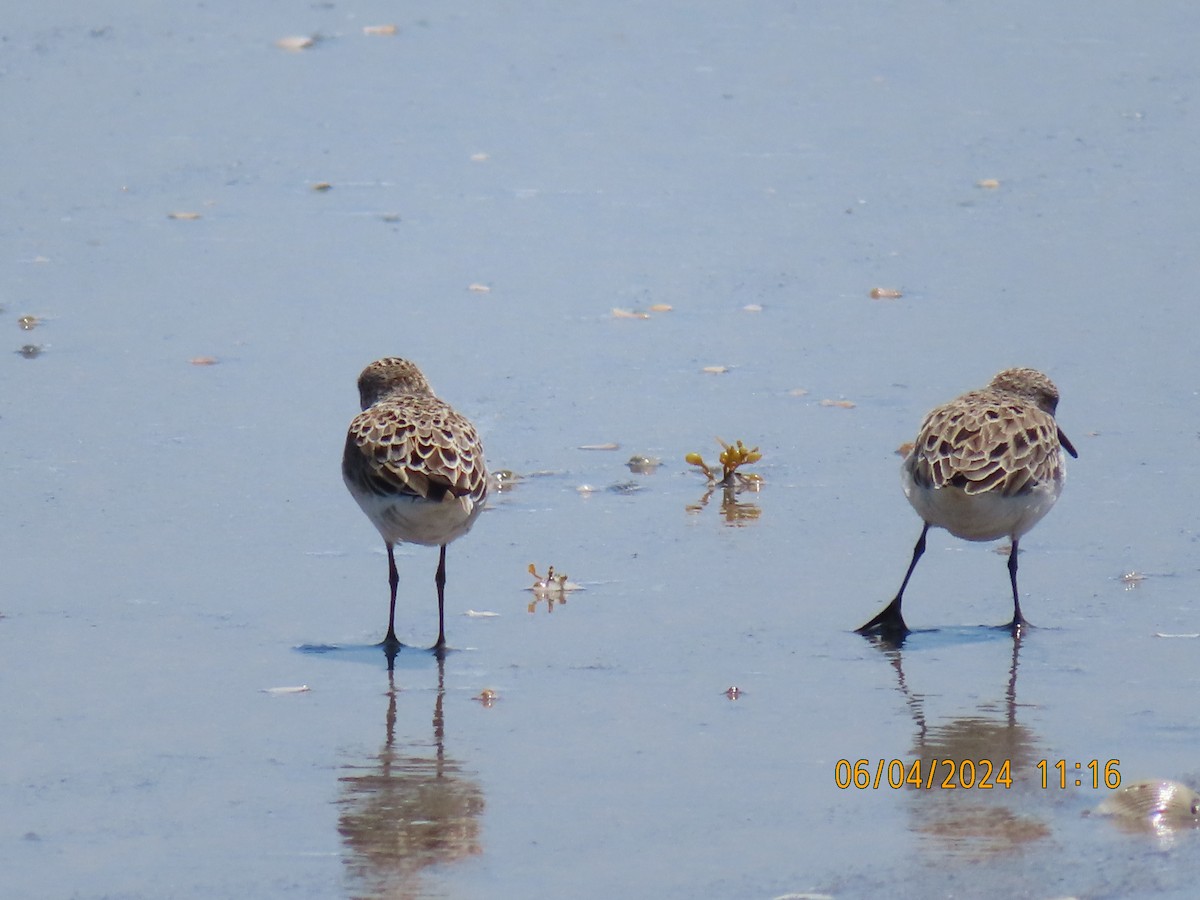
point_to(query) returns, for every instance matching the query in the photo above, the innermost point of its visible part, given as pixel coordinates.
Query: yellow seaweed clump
(733, 456)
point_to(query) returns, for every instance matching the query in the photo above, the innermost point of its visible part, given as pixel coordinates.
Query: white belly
(414, 521)
(981, 517)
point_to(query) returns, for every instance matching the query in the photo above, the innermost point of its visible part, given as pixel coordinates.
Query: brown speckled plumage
(1002, 438)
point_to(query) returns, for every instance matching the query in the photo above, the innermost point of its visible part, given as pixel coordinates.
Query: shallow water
(179, 540)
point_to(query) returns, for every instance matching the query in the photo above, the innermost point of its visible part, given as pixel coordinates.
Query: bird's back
(416, 467)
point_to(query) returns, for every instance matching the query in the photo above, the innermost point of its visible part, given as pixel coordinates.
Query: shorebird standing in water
(416, 468)
(986, 465)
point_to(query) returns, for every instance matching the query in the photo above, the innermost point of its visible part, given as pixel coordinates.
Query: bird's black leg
(393, 580)
(440, 580)
(889, 621)
(1018, 621)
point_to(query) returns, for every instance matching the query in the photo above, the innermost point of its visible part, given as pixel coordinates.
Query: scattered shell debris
(643, 465)
(988, 184)
(384, 30)
(203, 360)
(479, 287)
(838, 404)
(184, 216)
(295, 689)
(31, 351)
(322, 186)
(296, 42)
(609, 446)
(486, 698)
(880, 293)
(733, 692)
(732, 457)
(715, 370)
(28, 323)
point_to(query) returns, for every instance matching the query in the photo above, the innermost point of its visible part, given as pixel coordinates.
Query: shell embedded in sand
(1156, 804)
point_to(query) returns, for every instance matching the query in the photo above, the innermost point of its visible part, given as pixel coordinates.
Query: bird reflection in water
(973, 823)
(409, 808)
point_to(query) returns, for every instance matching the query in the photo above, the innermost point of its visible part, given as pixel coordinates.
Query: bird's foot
(888, 624)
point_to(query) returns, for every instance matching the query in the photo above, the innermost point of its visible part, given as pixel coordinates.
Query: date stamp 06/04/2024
(967, 774)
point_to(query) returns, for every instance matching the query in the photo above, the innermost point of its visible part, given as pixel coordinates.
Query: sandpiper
(986, 465)
(416, 468)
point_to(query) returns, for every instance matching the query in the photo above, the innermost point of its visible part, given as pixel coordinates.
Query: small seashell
(752, 308)
(479, 288)
(203, 360)
(322, 186)
(715, 370)
(28, 323)
(380, 29)
(297, 689)
(480, 157)
(504, 479)
(1163, 634)
(628, 314)
(31, 351)
(610, 446)
(733, 692)
(989, 184)
(183, 216)
(1153, 804)
(295, 43)
(585, 490)
(798, 392)
(476, 614)
(486, 697)
(886, 294)
(661, 307)
(643, 465)
(838, 404)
